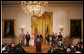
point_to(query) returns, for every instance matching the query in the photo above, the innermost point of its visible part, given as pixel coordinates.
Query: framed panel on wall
(75, 28)
(9, 28)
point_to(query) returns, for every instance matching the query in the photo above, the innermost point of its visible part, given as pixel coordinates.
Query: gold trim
(82, 28)
(2, 28)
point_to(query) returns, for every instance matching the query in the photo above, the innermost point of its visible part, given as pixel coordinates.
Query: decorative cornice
(50, 2)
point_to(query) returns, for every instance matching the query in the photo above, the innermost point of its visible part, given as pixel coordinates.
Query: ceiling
(50, 2)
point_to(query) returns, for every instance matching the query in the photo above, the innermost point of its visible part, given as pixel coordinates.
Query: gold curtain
(41, 24)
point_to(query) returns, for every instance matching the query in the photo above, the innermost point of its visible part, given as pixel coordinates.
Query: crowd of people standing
(54, 39)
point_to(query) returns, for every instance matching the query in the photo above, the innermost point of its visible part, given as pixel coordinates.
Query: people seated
(55, 50)
(4, 49)
(19, 50)
(68, 49)
(13, 49)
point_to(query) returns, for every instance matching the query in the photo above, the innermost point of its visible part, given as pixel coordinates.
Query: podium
(38, 44)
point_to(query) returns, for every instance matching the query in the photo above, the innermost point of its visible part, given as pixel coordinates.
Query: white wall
(21, 19)
(61, 16)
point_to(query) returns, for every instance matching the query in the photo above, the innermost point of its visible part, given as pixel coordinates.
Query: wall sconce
(61, 28)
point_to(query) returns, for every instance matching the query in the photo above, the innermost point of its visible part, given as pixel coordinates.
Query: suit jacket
(40, 36)
(11, 50)
(28, 37)
(60, 36)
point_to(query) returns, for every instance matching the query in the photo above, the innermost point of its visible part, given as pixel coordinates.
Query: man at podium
(38, 41)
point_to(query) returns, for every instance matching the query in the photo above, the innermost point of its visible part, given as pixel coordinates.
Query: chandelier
(34, 8)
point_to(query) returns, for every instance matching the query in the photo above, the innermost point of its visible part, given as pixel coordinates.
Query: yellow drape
(41, 23)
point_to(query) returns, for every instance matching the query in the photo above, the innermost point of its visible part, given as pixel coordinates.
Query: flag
(35, 30)
(47, 29)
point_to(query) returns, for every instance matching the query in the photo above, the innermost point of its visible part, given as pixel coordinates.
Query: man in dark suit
(39, 36)
(27, 38)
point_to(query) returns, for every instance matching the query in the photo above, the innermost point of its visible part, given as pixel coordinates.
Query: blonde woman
(32, 39)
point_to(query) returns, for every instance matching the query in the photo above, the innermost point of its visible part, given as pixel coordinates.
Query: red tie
(39, 36)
